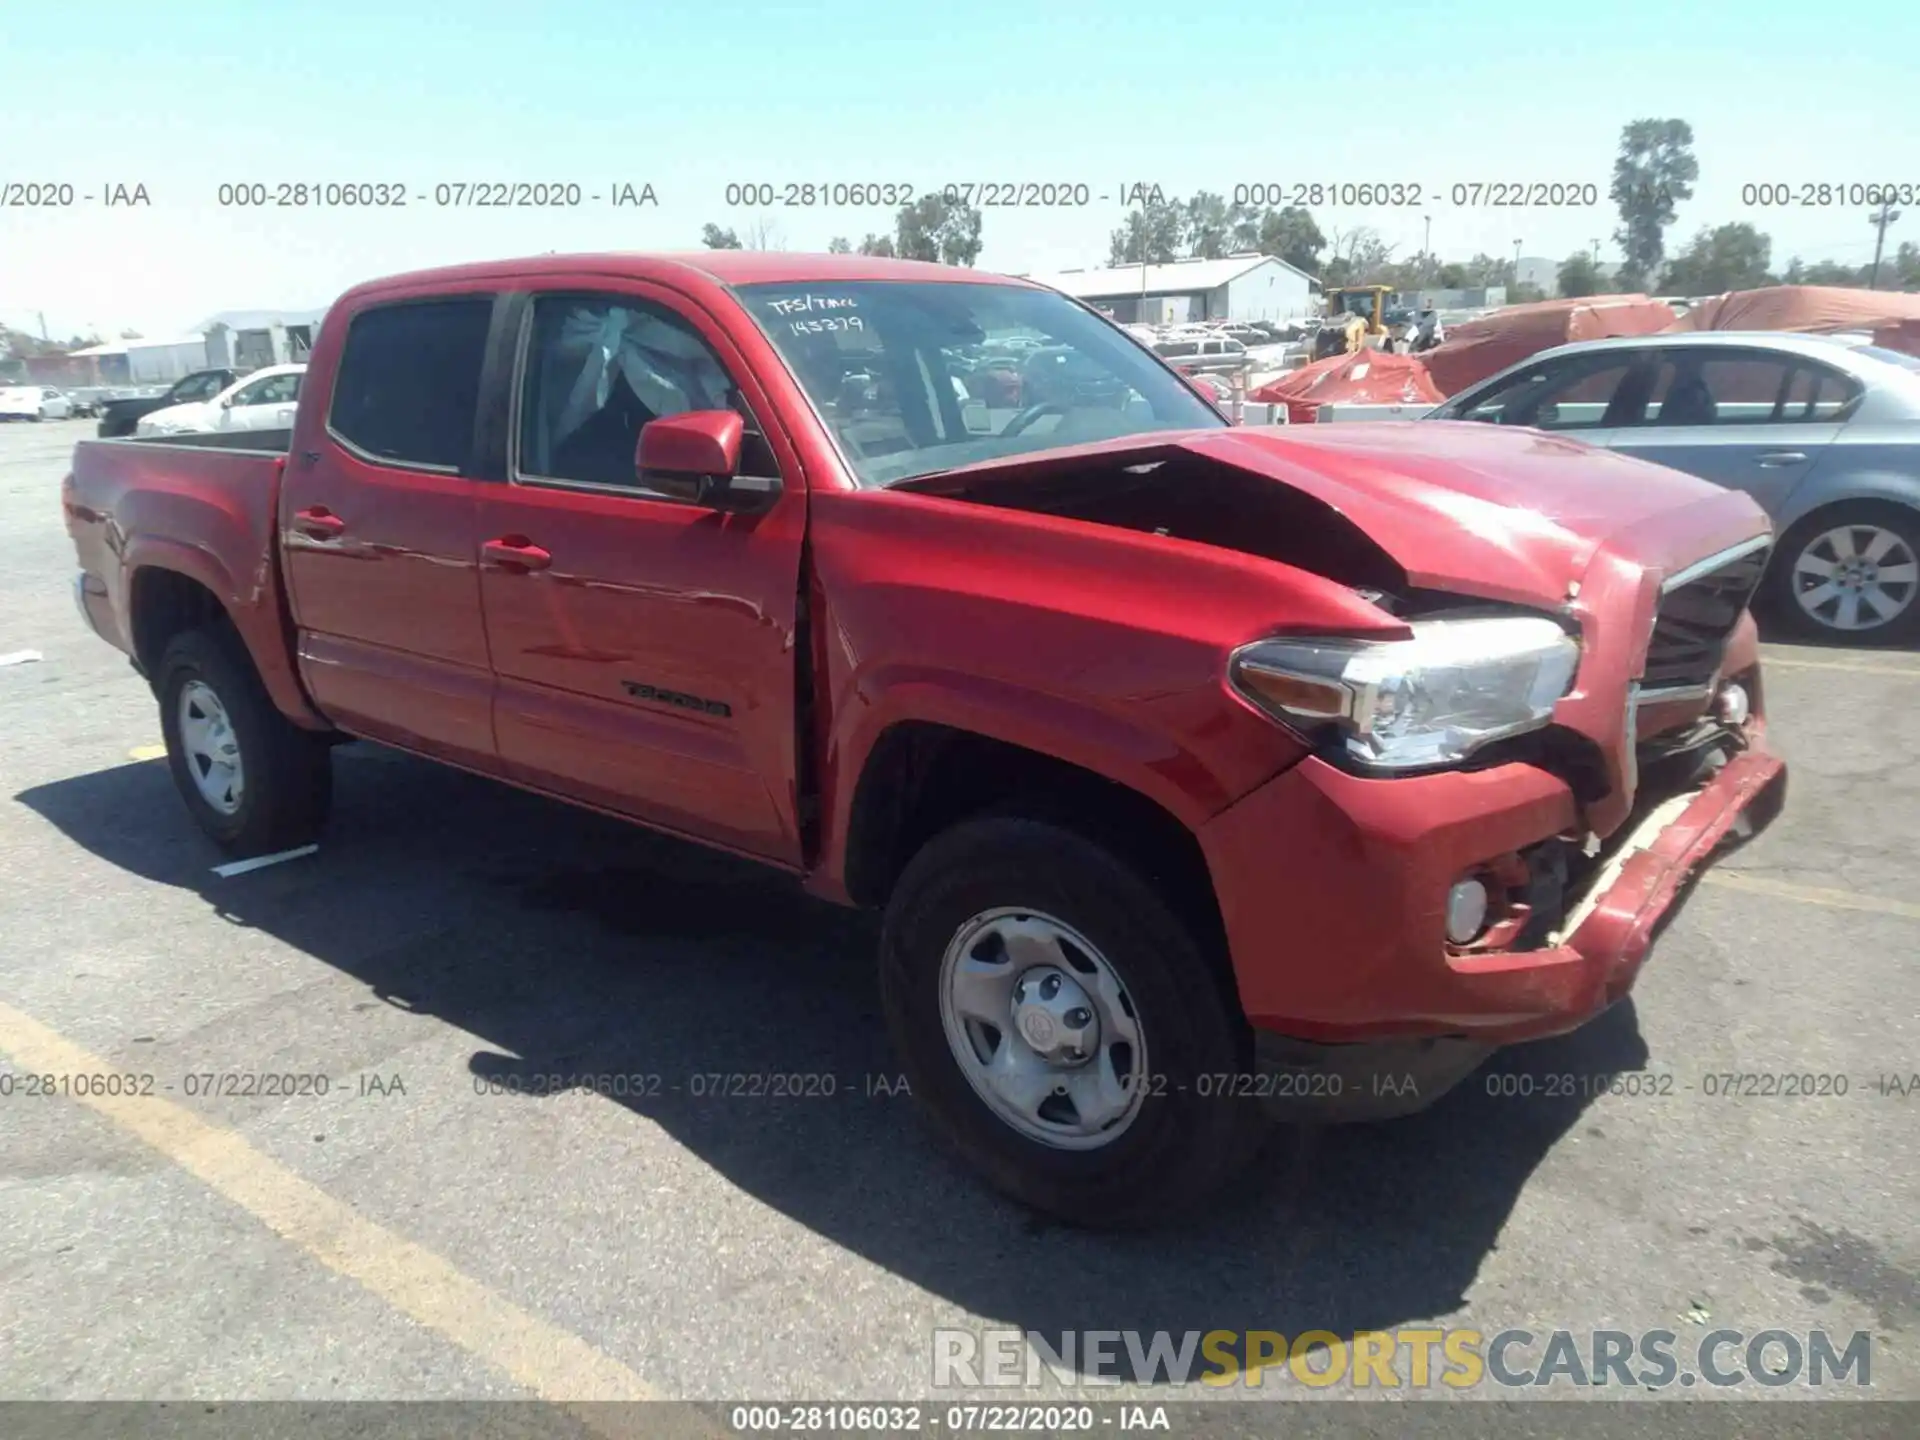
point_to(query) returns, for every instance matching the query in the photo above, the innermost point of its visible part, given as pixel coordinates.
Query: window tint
(409, 381)
(1574, 396)
(597, 369)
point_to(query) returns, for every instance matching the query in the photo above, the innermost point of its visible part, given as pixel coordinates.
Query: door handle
(319, 522)
(515, 553)
(1773, 459)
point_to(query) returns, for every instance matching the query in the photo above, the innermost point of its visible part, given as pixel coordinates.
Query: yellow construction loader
(1355, 320)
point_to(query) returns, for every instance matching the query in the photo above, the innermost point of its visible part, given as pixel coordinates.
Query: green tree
(1483, 270)
(1729, 257)
(839, 245)
(1653, 173)
(1207, 226)
(1578, 275)
(1824, 272)
(881, 245)
(1291, 234)
(1903, 269)
(714, 238)
(933, 229)
(1524, 293)
(1151, 234)
(1452, 276)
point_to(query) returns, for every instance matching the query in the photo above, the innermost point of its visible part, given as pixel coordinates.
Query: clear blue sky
(690, 96)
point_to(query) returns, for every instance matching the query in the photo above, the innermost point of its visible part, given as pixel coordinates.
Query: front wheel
(1850, 573)
(1062, 1028)
(254, 781)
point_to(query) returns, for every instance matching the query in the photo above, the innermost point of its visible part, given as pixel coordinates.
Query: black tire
(1180, 1148)
(287, 771)
(1784, 611)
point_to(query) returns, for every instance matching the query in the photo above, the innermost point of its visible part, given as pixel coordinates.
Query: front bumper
(1332, 888)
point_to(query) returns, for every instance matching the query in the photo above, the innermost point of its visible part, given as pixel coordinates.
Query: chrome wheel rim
(1856, 577)
(1043, 1028)
(210, 747)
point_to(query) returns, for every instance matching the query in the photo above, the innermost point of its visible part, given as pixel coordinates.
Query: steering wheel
(1032, 413)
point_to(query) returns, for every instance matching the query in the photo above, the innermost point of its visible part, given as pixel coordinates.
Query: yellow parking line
(552, 1363)
(147, 752)
(1898, 672)
(1811, 894)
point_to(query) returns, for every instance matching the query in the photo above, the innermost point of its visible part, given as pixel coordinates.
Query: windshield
(917, 377)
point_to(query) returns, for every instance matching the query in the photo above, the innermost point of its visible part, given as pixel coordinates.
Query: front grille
(1696, 616)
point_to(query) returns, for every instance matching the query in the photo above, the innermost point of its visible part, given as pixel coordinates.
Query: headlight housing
(1433, 700)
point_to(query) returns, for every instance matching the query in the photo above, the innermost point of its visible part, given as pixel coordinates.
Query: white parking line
(260, 862)
(1898, 672)
(553, 1363)
(1811, 894)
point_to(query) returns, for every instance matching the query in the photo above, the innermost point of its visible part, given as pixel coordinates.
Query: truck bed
(195, 510)
(271, 442)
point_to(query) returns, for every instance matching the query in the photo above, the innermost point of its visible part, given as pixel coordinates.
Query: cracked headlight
(1412, 704)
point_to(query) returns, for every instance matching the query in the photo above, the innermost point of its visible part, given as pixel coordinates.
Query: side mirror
(695, 456)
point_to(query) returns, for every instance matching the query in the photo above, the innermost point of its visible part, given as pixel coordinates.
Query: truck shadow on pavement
(575, 945)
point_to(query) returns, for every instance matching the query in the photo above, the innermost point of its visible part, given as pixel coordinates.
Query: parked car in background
(1823, 431)
(85, 406)
(1202, 352)
(33, 402)
(262, 401)
(120, 417)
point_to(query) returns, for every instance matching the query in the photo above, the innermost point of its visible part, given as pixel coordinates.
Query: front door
(644, 648)
(380, 529)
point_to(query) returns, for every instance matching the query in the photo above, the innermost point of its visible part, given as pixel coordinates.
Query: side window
(597, 369)
(204, 387)
(1557, 397)
(1815, 393)
(408, 385)
(1699, 387)
(274, 390)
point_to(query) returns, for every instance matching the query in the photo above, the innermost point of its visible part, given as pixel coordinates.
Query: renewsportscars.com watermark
(1409, 1359)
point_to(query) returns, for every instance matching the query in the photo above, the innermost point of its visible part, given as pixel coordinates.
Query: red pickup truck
(1203, 773)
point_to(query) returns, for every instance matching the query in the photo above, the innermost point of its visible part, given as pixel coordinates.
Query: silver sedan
(1823, 431)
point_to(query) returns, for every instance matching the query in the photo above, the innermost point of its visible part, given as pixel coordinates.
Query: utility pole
(43, 327)
(1516, 267)
(1426, 245)
(1596, 252)
(1881, 218)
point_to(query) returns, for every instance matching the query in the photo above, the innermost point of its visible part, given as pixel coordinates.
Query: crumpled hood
(1500, 513)
(1505, 513)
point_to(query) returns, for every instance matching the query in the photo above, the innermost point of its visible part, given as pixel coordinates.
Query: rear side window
(408, 386)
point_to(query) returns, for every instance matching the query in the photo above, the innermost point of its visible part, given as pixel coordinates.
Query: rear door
(379, 527)
(644, 647)
(1752, 420)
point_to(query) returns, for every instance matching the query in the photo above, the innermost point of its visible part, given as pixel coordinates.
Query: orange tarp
(1479, 348)
(1370, 377)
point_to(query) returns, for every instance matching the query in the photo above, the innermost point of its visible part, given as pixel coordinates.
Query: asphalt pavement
(435, 1225)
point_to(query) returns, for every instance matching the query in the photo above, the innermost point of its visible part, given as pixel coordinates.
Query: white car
(263, 400)
(33, 402)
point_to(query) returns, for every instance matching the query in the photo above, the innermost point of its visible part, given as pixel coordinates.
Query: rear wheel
(1062, 1028)
(253, 781)
(1850, 573)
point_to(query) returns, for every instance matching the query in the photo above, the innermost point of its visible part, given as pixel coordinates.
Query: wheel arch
(922, 777)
